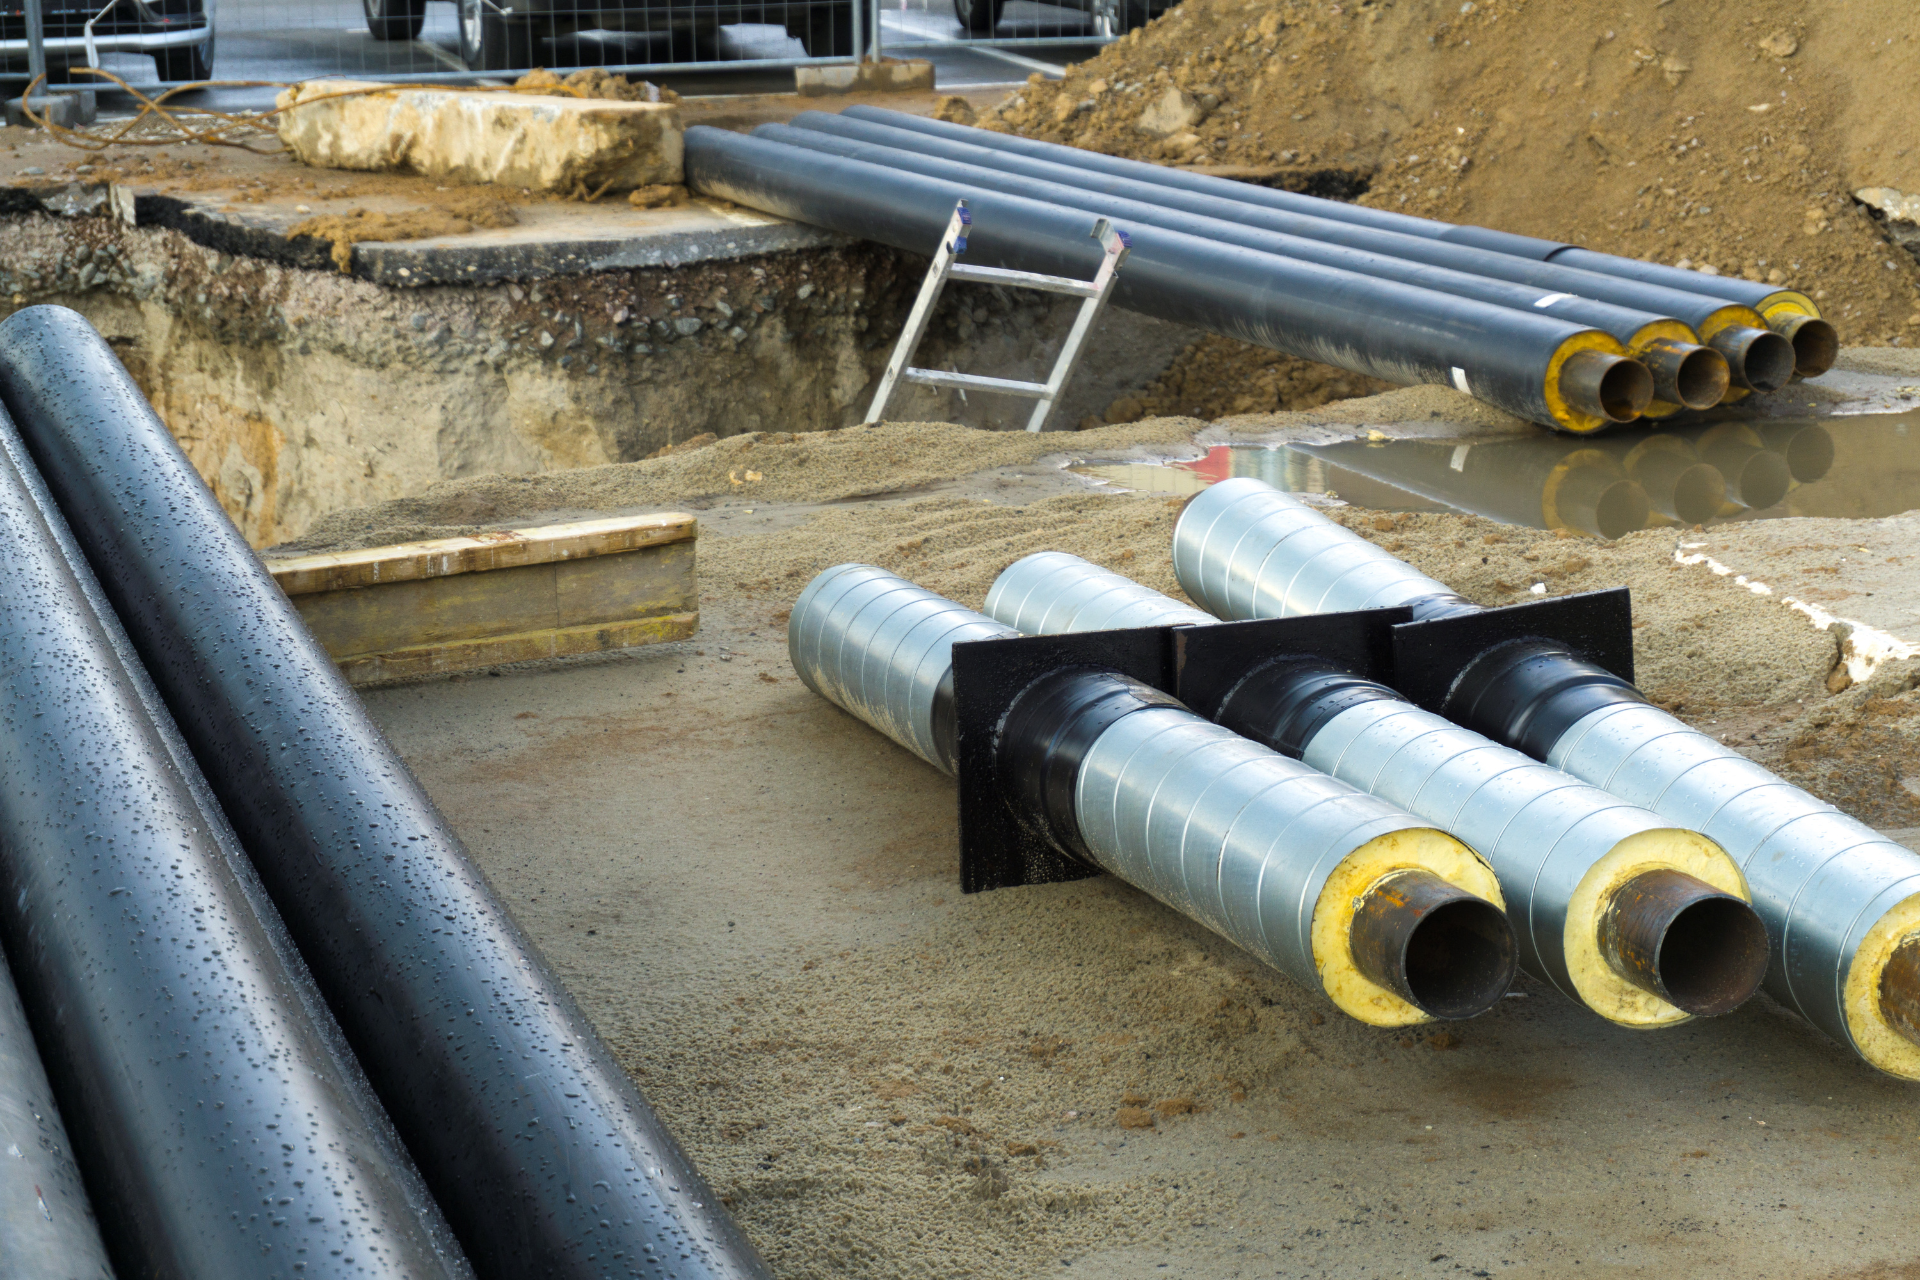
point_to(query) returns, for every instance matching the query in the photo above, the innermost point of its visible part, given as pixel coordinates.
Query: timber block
(459, 604)
(508, 139)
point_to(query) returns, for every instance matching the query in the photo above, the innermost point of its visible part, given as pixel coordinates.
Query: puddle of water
(1855, 467)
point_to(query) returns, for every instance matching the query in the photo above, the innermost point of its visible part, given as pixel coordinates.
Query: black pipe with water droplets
(543, 1154)
(219, 1135)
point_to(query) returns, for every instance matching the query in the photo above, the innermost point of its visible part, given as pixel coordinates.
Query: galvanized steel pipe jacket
(1214, 218)
(1379, 327)
(219, 1136)
(1563, 850)
(544, 1155)
(1840, 901)
(1265, 851)
(1784, 309)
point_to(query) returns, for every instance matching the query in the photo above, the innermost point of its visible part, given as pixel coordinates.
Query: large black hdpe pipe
(1788, 312)
(1686, 375)
(47, 1228)
(1537, 367)
(544, 1155)
(219, 1135)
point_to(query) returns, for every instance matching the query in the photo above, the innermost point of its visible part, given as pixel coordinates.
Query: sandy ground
(754, 896)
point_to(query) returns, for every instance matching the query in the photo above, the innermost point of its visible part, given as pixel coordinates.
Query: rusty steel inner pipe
(1841, 902)
(1511, 358)
(221, 1134)
(1396, 922)
(1788, 312)
(545, 1157)
(1597, 889)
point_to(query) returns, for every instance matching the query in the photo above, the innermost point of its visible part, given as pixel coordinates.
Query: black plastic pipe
(1387, 330)
(1789, 312)
(544, 1155)
(218, 1134)
(1688, 376)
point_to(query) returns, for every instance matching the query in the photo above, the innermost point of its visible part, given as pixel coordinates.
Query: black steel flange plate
(997, 850)
(1429, 655)
(1209, 661)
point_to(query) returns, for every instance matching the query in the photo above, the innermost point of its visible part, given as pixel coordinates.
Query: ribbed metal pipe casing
(1224, 830)
(1242, 549)
(1821, 880)
(880, 648)
(1542, 830)
(1052, 593)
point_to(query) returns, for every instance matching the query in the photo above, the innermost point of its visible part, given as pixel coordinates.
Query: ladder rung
(1024, 280)
(975, 382)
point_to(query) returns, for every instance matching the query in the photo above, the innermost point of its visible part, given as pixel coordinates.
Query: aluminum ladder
(953, 242)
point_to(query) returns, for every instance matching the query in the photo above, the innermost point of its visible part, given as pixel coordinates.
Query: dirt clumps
(1217, 377)
(1725, 138)
(592, 82)
(456, 216)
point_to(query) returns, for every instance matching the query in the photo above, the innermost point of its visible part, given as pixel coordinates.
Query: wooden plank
(445, 557)
(494, 651)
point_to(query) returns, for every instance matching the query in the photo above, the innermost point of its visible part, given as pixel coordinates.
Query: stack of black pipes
(289, 1028)
(1564, 336)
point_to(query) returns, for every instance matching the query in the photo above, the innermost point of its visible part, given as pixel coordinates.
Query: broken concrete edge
(530, 646)
(912, 75)
(403, 264)
(510, 548)
(532, 141)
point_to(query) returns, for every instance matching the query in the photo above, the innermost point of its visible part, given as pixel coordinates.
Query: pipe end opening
(1713, 957)
(1701, 380)
(1612, 388)
(1900, 989)
(1445, 951)
(1816, 344)
(1770, 361)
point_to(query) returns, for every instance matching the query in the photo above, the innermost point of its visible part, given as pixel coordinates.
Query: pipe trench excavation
(1689, 376)
(1812, 343)
(1396, 922)
(218, 1133)
(1840, 901)
(1643, 923)
(1531, 364)
(542, 1153)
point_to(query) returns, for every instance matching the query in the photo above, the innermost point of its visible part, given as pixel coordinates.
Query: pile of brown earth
(1725, 137)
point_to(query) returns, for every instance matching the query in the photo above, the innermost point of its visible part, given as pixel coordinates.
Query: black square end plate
(997, 850)
(1596, 625)
(1209, 661)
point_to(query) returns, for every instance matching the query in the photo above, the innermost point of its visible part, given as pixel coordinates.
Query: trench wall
(296, 391)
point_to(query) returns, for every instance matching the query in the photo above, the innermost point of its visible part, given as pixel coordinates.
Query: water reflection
(1854, 467)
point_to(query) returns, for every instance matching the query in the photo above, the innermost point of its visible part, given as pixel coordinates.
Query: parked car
(177, 33)
(980, 17)
(506, 35)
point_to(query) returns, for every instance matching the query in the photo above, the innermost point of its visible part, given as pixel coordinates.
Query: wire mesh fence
(156, 42)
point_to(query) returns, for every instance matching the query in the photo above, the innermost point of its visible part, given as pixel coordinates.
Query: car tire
(828, 32)
(395, 19)
(192, 63)
(490, 42)
(978, 17)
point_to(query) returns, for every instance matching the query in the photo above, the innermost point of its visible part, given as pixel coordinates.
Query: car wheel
(395, 19)
(195, 62)
(491, 42)
(828, 32)
(978, 17)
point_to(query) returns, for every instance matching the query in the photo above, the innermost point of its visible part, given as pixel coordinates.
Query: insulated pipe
(1377, 327)
(1645, 924)
(1841, 902)
(1396, 922)
(1686, 374)
(545, 1157)
(218, 1133)
(1787, 311)
(1544, 482)
(47, 1231)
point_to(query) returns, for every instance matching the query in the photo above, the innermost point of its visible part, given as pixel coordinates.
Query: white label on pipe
(1551, 298)
(1460, 380)
(1458, 462)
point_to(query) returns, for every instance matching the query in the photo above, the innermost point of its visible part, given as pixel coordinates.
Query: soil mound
(1719, 136)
